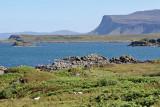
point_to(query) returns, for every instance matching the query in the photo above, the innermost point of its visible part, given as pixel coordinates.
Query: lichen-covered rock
(2, 70)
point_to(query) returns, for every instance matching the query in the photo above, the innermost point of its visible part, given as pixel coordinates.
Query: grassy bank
(126, 85)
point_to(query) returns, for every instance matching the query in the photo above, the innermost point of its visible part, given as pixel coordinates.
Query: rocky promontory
(18, 41)
(15, 37)
(85, 61)
(146, 42)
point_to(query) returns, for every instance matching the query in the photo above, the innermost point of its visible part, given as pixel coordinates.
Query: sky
(52, 15)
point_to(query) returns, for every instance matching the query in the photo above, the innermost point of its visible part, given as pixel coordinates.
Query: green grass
(126, 85)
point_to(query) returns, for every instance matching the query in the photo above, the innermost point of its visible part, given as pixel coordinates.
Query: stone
(37, 98)
(2, 70)
(153, 41)
(75, 61)
(86, 61)
(158, 40)
(123, 59)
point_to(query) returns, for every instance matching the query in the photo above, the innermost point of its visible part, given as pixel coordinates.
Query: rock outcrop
(85, 61)
(123, 59)
(141, 22)
(75, 61)
(2, 70)
(146, 42)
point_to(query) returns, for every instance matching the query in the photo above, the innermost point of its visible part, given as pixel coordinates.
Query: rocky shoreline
(92, 60)
(86, 61)
(146, 42)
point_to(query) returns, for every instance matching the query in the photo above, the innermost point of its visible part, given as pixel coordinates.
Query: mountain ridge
(59, 32)
(140, 22)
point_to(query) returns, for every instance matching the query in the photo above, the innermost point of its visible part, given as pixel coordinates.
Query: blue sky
(52, 15)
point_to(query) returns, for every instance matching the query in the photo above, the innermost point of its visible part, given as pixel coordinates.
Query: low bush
(142, 80)
(77, 72)
(106, 82)
(157, 74)
(20, 69)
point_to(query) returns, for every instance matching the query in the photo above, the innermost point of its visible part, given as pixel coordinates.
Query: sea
(46, 53)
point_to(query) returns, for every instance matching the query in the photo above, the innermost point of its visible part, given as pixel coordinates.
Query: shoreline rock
(2, 70)
(124, 59)
(75, 61)
(85, 61)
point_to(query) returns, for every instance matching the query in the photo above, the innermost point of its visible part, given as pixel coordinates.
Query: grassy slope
(84, 38)
(113, 85)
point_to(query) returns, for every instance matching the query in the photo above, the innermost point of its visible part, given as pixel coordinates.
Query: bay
(45, 53)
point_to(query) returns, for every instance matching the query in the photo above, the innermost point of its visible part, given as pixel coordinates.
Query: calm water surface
(45, 53)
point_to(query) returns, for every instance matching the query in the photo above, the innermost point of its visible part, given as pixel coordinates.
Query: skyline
(48, 15)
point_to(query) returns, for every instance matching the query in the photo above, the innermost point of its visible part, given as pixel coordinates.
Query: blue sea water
(45, 53)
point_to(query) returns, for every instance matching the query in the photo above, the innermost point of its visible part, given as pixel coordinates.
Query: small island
(19, 41)
(146, 42)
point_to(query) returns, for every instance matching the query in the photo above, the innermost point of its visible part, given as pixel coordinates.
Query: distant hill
(141, 22)
(61, 32)
(65, 32)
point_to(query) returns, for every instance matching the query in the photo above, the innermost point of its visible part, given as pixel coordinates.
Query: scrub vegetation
(113, 85)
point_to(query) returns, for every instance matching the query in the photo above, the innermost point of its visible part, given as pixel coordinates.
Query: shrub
(147, 102)
(76, 72)
(142, 80)
(20, 69)
(6, 94)
(105, 82)
(131, 95)
(153, 74)
(14, 91)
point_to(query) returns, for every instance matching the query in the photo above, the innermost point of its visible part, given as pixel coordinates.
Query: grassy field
(113, 85)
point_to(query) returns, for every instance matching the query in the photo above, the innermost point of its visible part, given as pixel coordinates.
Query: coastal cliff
(141, 22)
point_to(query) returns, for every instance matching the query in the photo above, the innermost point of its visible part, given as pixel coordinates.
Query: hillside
(141, 22)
